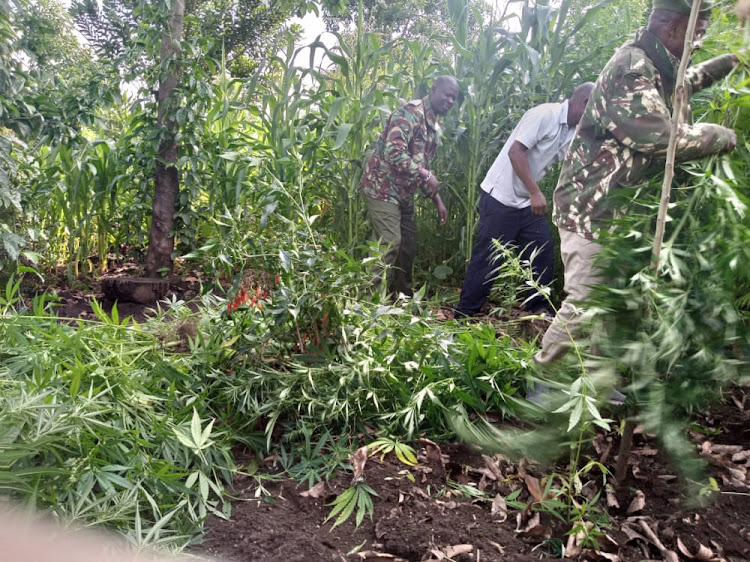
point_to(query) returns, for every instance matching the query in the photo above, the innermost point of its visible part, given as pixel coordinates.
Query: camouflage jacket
(408, 143)
(624, 132)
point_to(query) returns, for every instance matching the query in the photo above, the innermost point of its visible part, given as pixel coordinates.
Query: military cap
(684, 6)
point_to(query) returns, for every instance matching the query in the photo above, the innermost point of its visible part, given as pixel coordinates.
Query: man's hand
(538, 204)
(732, 140)
(442, 211)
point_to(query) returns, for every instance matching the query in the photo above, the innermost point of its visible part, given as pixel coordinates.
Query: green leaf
(195, 429)
(406, 454)
(575, 415)
(341, 135)
(286, 262)
(442, 272)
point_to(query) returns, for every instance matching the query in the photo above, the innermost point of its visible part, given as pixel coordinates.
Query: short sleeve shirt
(544, 131)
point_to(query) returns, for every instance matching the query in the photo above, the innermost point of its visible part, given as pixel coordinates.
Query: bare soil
(75, 302)
(419, 515)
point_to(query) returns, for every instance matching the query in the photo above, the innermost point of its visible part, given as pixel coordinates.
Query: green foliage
(413, 19)
(316, 459)
(98, 424)
(313, 121)
(357, 497)
(242, 29)
(319, 354)
(106, 423)
(680, 335)
(403, 452)
(49, 37)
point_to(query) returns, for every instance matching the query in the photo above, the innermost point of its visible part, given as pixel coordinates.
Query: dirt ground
(419, 515)
(76, 302)
(423, 513)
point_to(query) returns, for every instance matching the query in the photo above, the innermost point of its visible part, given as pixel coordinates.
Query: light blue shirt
(545, 132)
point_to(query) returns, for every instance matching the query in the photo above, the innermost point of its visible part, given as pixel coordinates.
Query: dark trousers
(518, 227)
(395, 227)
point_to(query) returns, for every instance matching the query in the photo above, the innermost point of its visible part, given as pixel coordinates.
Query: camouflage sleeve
(637, 116)
(703, 75)
(396, 152)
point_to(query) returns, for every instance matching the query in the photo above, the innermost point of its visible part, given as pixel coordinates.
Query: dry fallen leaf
(485, 472)
(739, 403)
(742, 456)
(669, 555)
(317, 491)
(589, 490)
(704, 553)
(433, 453)
(638, 502)
(738, 474)
(455, 550)
(499, 509)
(450, 552)
(451, 505)
(535, 529)
(632, 534)
(420, 492)
(493, 468)
(358, 459)
(532, 483)
(636, 470)
(600, 443)
(667, 477)
(533, 522)
(373, 556)
(723, 449)
(598, 555)
(607, 543)
(611, 497)
(500, 548)
(574, 547)
(646, 452)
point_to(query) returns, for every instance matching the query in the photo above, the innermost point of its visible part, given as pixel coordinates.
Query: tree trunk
(161, 237)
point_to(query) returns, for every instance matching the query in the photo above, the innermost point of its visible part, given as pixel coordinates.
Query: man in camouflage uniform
(399, 165)
(621, 140)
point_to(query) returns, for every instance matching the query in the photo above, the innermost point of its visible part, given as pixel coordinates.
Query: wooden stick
(678, 103)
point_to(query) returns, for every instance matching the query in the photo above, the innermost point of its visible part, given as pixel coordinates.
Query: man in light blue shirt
(512, 208)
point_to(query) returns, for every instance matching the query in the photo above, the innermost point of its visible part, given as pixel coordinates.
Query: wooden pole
(678, 104)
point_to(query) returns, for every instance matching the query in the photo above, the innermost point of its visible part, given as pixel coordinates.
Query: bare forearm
(520, 163)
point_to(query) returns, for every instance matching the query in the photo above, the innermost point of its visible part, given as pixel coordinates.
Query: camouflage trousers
(395, 228)
(580, 274)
